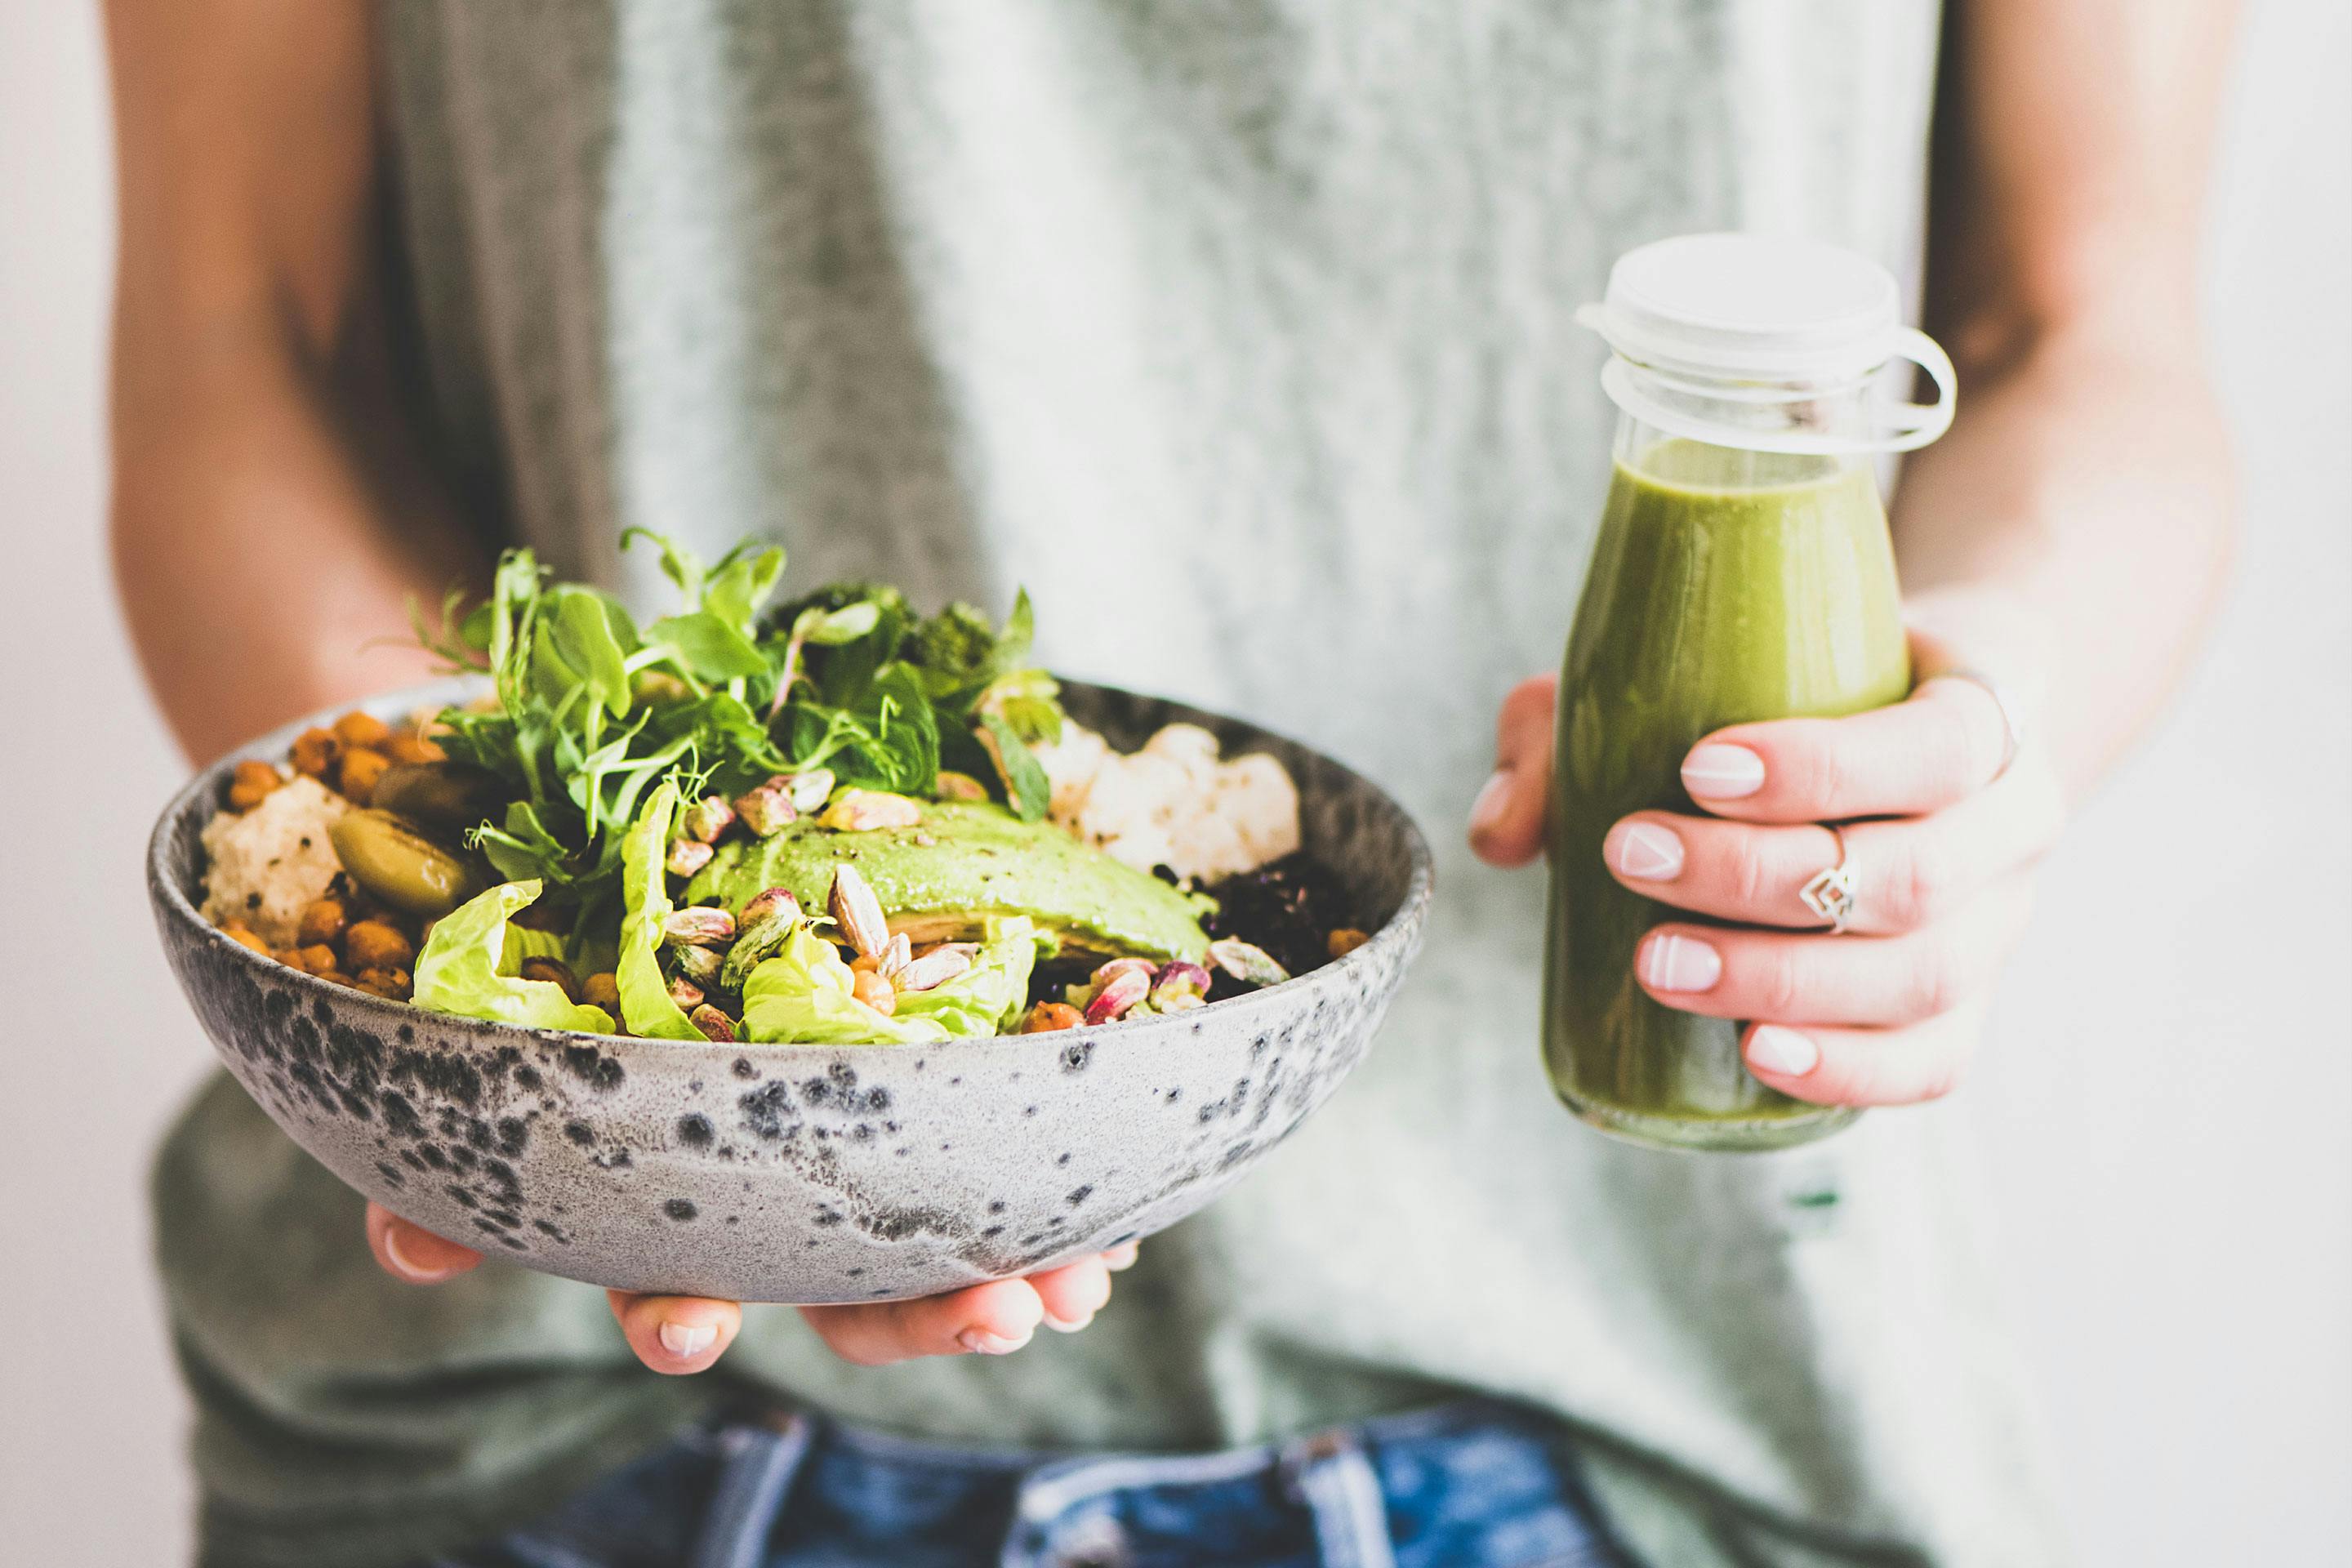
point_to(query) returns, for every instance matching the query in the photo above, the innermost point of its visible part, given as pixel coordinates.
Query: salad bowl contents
(821, 955)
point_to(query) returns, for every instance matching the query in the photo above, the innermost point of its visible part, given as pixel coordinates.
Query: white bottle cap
(1786, 317)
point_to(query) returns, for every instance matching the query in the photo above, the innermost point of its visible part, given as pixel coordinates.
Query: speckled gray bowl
(802, 1174)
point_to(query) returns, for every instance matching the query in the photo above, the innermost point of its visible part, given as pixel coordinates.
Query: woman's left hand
(1940, 839)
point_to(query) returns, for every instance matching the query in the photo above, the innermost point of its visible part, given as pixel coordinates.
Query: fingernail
(408, 1268)
(1774, 1049)
(1673, 963)
(1120, 1257)
(980, 1341)
(687, 1339)
(1646, 852)
(1723, 773)
(1493, 800)
(1059, 1327)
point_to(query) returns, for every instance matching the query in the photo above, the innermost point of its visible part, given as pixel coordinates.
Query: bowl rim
(1400, 933)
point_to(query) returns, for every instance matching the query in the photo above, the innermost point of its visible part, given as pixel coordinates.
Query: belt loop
(1337, 1482)
(754, 1481)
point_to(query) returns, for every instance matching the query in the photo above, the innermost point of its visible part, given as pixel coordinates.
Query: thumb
(1506, 821)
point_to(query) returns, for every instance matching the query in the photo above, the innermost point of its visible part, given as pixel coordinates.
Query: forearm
(2084, 499)
(264, 570)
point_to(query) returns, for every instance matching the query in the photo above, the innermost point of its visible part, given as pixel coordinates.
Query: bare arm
(2087, 479)
(2066, 537)
(270, 516)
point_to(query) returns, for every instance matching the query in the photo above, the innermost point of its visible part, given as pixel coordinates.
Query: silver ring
(2012, 727)
(1830, 895)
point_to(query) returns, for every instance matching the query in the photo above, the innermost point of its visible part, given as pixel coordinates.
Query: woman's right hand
(681, 1334)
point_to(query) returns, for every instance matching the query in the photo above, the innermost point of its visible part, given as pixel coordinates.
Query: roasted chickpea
(319, 957)
(875, 992)
(378, 945)
(314, 752)
(1047, 1016)
(1345, 940)
(291, 957)
(603, 990)
(322, 922)
(251, 784)
(357, 729)
(552, 970)
(239, 932)
(413, 749)
(356, 774)
(393, 984)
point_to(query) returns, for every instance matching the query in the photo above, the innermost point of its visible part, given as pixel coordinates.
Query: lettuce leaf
(984, 999)
(802, 995)
(464, 968)
(644, 900)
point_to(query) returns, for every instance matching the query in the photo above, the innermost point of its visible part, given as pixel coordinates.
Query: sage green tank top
(1239, 333)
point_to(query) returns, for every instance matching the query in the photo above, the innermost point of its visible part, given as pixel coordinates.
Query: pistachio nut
(687, 856)
(858, 913)
(706, 819)
(698, 923)
(685, 992)
(763, 928)
(934, 968)
(766, 903)
(953, 785)
(807, 791)
(1105, 974)
(703, 965)
(1118, 998)
(765, 810)
(714, 1023)
(1250, 965)
(863, 810)
(1178, 985)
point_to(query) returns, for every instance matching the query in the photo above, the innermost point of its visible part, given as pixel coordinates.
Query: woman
(1241, 335)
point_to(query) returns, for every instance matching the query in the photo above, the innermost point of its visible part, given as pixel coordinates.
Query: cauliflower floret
(1174, 803)
(1255, 794)
(264, 865)
(1070, 764)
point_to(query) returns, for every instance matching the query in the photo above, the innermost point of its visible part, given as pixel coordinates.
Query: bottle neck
(1765, 419)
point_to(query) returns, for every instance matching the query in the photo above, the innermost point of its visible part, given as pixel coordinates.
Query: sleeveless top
(1240, 334)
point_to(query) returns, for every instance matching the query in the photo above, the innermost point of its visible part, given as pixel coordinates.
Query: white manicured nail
(980, 1341)
(686, 1341)
(408, 1267)
(1647, 852)
(1060, 1327)
(1673, 963)
(1723, 773)
(1774, 1049)
(1486, 811)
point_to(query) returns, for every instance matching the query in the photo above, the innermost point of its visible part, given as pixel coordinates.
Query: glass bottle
(1742, 571)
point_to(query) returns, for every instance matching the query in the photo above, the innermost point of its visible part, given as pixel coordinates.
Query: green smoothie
(1725, 586)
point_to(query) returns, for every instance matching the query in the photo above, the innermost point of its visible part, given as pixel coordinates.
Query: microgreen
(593, 714)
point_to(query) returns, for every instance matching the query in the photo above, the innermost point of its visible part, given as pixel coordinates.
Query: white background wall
(2167, 1110)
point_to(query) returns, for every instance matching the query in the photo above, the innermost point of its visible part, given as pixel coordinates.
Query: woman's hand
(681, 1334)
(1940, 840)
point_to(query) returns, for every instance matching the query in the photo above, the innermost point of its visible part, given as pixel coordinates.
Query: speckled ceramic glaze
(803, 1172)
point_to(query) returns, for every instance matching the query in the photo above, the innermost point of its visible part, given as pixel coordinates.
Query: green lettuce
(465, 969)
(644, 902)
(984, 999)
(803, 997)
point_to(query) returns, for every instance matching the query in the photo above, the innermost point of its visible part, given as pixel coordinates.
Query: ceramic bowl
(804, 1174)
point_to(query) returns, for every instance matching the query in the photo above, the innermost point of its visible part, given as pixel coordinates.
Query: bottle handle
(1911, 426)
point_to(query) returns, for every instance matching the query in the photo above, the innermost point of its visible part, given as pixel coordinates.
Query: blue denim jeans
(1465, 1485)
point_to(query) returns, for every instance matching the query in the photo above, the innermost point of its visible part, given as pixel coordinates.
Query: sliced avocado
(964, 861)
